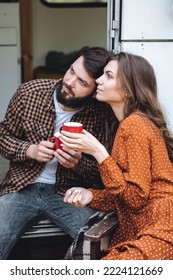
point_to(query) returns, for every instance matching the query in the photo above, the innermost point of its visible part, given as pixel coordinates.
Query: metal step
(44, 228)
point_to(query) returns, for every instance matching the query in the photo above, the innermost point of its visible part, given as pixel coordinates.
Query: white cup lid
(74, 124)
(57, 134)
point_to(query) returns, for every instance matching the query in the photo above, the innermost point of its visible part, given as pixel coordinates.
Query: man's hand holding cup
(65, 156)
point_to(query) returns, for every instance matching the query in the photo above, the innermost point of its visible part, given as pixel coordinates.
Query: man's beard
(72, 102)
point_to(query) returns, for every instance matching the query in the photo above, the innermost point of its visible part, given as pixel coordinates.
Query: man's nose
(72, 81)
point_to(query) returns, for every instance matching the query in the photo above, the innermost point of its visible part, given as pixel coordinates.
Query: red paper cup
(56, 139)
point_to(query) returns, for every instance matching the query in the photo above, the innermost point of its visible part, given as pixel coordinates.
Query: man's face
(77, 86)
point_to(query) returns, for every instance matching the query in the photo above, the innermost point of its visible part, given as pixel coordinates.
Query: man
(38, 176)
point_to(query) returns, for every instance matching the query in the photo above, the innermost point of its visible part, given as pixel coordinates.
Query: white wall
(66, 29)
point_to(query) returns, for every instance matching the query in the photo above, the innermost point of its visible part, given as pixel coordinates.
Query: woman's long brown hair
(137, 77)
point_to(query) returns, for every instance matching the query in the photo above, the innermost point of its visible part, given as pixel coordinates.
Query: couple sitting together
(122, 161)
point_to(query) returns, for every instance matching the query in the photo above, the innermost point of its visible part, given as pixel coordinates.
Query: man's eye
(83, 83)
(71, 70)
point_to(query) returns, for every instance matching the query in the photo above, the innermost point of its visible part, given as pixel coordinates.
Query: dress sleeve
(126, 174)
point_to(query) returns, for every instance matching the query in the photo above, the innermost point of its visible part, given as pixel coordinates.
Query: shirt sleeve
(11, 129)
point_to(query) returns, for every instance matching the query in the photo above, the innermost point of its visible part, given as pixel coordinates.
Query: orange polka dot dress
(138, 179)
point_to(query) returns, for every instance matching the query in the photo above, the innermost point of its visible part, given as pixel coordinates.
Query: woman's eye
(109, 76)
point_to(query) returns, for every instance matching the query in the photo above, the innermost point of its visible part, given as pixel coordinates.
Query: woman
(138, 175)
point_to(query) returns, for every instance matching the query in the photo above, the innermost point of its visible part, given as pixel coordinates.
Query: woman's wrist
(100, 154)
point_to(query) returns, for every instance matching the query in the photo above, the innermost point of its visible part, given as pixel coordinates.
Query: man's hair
(95, 59)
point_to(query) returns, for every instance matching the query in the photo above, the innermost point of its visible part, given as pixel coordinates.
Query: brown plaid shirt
(30, 118)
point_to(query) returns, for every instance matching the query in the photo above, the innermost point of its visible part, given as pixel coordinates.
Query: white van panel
(9, 75)
(147, 20)
(8, 36)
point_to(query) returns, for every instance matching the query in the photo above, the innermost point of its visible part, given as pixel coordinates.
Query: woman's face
(109, 88)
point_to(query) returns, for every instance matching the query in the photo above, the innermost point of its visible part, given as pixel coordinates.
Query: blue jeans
(22, 209)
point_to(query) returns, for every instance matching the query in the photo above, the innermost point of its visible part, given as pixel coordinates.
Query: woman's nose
(99, 81)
